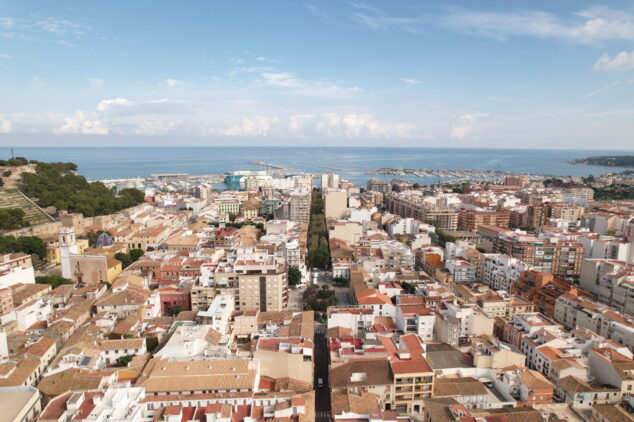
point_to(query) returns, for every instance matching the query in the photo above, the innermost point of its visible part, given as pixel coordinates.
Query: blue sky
(539, 74)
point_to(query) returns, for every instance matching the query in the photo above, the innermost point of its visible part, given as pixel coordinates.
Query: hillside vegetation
(607, 160)
(56, 184)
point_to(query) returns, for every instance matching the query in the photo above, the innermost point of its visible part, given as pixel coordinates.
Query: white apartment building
(10, 275)
(573, 312)
(415, 319)
(402, 226)
(218, 314)
(192, 341)
(357, 319)
(500, 271)
(461, 270)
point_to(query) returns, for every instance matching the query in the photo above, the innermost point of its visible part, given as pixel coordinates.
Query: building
(299, 206)
(67, 247)
(578, 312)
(167, 376)
(335, 204)
(262, 282)
(377, 185)
(20, 404)
(559, 257)
(329, 181)
(174, 298)
(412, 373)
(290, 357)
(499, 271)
(94, 269)
(471, 219)
(218, 314)
(461, 271)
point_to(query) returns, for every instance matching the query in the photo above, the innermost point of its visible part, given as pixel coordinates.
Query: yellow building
(52, 251)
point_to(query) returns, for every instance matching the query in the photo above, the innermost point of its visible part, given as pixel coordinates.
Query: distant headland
(607, 161)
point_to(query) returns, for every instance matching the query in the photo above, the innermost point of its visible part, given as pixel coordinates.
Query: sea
(99, 163)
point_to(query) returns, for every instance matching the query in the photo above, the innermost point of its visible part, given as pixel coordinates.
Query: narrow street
(322, 394)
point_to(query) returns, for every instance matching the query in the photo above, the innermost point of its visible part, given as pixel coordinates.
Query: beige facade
(348, 231)
(285, 363)
(263, 291)
(335, 204)
(492, 357)
(202, 296)
(20, 404)
(94, 269)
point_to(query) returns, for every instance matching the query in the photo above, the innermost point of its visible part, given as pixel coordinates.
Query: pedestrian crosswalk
(323, 414)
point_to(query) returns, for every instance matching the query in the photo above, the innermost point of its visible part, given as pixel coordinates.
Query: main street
(322, 393)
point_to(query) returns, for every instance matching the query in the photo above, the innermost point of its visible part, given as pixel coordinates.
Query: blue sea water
(116, 162)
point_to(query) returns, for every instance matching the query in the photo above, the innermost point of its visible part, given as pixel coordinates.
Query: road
(322, 394)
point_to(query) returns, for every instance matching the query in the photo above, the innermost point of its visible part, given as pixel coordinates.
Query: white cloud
(465, 125)
(48, 25)
(65, 43)
(249, 127)
(250, 69)
(85, 123)
(96, 82)
(347, 126)
(377, 19)
(236, 60)
(5, 56)
(245, 118)
(587, 26)
(622, 62)
(5, 126)
(174, 83)
(411, 81)
(600, 90)
(305, 87)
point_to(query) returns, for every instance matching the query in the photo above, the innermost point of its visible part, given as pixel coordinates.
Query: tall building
(514, 180)
(335, 204)
(329, 181)
(560, 257)
(262, 282)
(469, 219)
(500, 271)
(299, 206)
(416, 207)
(67, 247)
(377, 185)
(446, 218)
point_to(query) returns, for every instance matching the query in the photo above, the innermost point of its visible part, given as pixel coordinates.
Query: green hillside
(13, 198)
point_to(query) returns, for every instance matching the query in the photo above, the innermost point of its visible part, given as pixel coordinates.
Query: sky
(491, 74)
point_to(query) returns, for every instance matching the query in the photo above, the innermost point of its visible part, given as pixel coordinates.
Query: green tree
(135, 254)
(12, 218)
(124, 361)
(54, 280)
(56, 184)
(340, 281)
(408, 287)
(294, 276)
(151, 343)
(32, 245)
(175, 310)
(124, 258)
